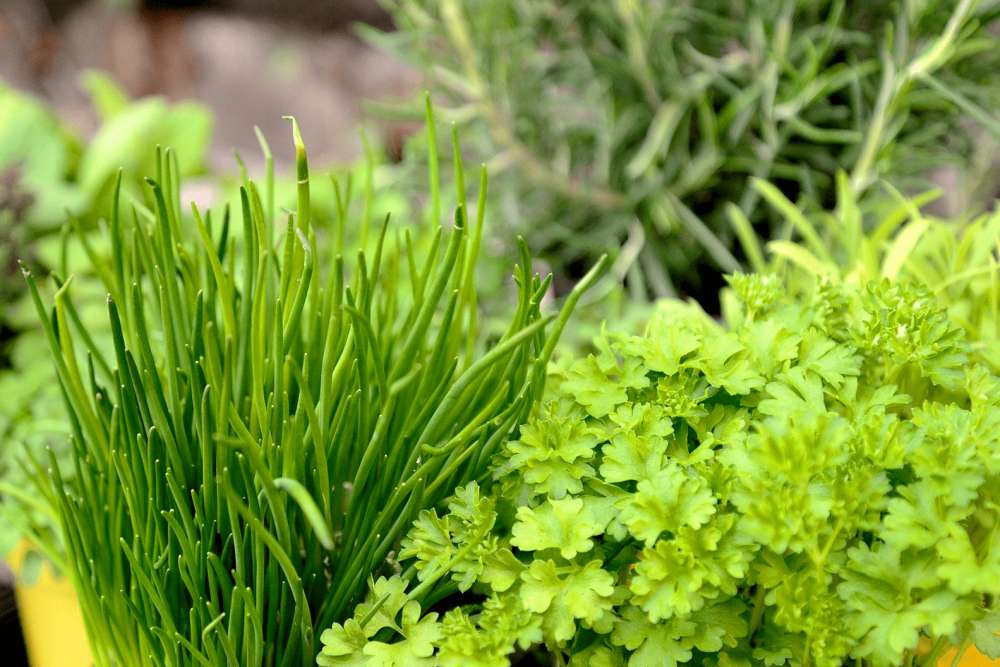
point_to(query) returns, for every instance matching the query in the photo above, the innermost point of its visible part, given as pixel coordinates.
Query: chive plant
(273, 416)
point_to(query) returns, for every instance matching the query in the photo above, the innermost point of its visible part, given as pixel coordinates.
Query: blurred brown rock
(251, 61)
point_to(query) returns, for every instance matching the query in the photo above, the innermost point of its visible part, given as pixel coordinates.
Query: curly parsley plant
(814, 483)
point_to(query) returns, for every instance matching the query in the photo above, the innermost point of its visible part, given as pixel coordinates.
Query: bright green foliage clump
(268, 424)
(32, 409)
(814, 483)
(876, 237)
(642, 120)
(52, 181)
(55, 174)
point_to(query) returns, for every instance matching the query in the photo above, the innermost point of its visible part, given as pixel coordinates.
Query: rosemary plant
(632, 124)
(268, 423)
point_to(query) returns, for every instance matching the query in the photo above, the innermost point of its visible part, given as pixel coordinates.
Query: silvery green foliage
(636, 122)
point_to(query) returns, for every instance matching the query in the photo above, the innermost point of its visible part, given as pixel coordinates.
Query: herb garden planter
(281, 434)
(46, 606)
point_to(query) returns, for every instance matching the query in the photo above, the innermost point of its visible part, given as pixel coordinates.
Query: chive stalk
(268, 424)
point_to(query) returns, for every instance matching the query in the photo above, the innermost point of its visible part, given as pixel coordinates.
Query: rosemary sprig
(631, 126)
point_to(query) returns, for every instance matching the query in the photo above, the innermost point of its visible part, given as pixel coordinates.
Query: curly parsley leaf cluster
(794, 488)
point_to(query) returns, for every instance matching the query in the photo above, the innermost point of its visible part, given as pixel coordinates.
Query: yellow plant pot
(971, 658)
(53, 627)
